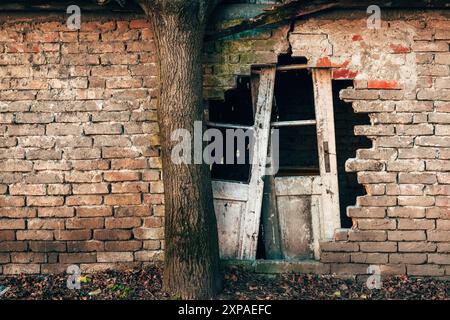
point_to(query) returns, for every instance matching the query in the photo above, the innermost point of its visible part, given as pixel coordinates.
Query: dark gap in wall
(294, 100)
(346, 145)
(236, 108)
(260, 247)
(287, 59)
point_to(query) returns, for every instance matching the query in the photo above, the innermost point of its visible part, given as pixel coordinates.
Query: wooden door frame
(326, 219)
(326, 143)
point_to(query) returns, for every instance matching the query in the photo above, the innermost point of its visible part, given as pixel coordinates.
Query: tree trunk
(191, 268)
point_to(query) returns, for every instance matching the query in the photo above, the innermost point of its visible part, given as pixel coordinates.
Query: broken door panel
(252, 217)
(306, 184)
(298, 209)
(295, 226)
(238, 205)
(230, 200)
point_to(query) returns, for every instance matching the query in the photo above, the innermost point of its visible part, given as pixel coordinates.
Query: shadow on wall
(346, 145)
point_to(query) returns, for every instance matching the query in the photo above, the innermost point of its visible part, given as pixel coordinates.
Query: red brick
(80, 177)
(11, 201)
(27, 189)
(150, 256)
(44, 201)
(90, 188)
(85, 246)
(77, 257)
(378, 246)
(112, 234)
(84, 223)
(376, 224)
(417, 235)
(383, 84)
(349, 269)
(114, 256)
(406, 212)
(148, 233)
(413, 224)
(47, 246)
(133, 164)
(15, 269)
(122, 176)
(17, 212)
(131, 245)
(7, 235)
(441, 213)
(133, 211)
(59, 212)
(34, 235)
(151, 199)
(334, 257)
(416, 247)
(83, 200)
(372, 258)
(94, 211)
(12, 224)
(152, 244)
(123, 199)
(152, 222)
(28, 257)
(425, 270)
(122, 223)
(87, 165)
(410, 258)
(45, 224)
(397, 48)
(13, 246)
(129, 187)
(73, 235)
(139, 24)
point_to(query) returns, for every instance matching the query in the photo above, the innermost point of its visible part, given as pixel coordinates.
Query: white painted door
(307, 207)
(238, 205)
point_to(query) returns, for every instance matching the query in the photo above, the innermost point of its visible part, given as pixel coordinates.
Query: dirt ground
(238, 284)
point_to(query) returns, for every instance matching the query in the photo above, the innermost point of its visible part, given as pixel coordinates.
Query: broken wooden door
(302, 206)
(238, 205)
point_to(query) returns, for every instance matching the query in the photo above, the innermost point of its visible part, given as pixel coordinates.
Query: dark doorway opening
(294, 100)
(346, 145)
(235, 109)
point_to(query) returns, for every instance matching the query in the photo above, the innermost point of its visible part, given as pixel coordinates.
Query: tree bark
(191, 268)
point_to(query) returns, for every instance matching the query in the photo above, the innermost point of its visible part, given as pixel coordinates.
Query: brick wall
(401, 80)
(80, 173)
(80, 178)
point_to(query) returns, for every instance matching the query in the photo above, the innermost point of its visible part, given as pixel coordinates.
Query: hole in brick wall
(287, 59)
(236, 108)
(346, 145)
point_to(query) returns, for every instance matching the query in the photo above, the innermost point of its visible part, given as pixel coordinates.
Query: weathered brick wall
(80, 178)
(80, 173)
(402, 81)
